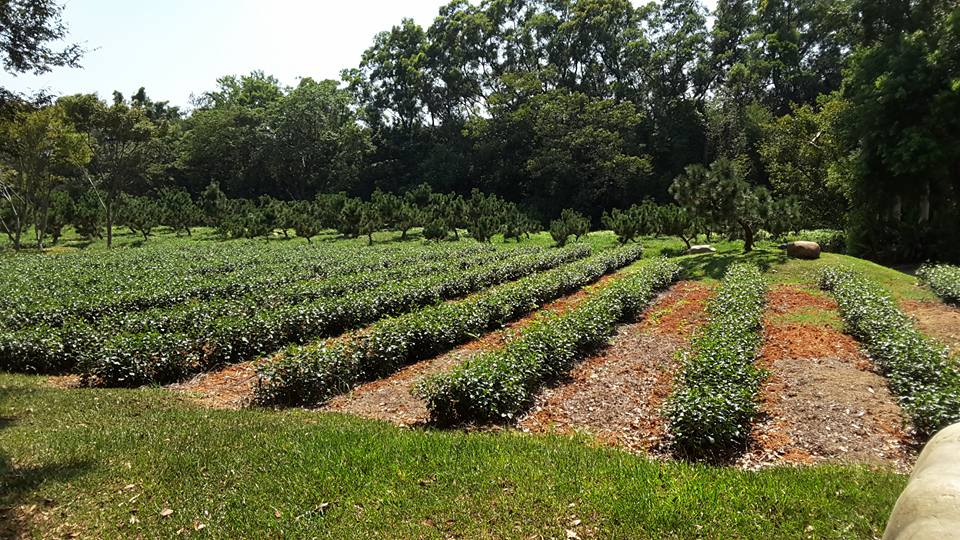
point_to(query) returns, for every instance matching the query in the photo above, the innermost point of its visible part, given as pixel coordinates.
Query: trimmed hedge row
(133, 360)
(715, 399)
(58, 347)
(314, 373)
(193, 317)
(497, 385)
(83, 286)
(944, 280)
(917, 369)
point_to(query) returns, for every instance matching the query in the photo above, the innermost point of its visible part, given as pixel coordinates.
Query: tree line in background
(769, 114)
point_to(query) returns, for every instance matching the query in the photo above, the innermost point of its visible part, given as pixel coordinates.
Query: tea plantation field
(463, 390)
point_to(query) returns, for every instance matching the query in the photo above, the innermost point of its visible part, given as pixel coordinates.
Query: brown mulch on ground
(229, 388)
(823, 400)
(64, 382)
(937, 320)
(392, 398)
(616, 396)
(680, 311)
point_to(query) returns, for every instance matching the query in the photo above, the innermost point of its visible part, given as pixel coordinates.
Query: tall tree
(314, 140)
(127, 148)
(40, 148)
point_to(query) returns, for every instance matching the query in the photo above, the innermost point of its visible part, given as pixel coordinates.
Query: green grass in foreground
(259, 473)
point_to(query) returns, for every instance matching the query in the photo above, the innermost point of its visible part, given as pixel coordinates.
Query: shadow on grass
(16, 485)
(715, 265)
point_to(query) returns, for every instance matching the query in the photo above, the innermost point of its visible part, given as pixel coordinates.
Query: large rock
(929, 506)
(701, 249)
(802, 249)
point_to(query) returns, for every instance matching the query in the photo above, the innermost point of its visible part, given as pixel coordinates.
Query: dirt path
(822, 401)
(937, 320)
(392, 398)
(230, 388)
(616, 396)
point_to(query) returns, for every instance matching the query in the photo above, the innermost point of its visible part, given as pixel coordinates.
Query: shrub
(314, 373)
(830, 240)
(918, 370)
(944, 280)
(253, 330)
(497, 385)
(570, 223)
(715, 400)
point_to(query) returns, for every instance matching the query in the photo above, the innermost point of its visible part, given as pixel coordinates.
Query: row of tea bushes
(53, 289)
(137, 359)
(497, 385)
(194, 316)
(314, 373)
(919, 370)
(944, 280)
(715, 397)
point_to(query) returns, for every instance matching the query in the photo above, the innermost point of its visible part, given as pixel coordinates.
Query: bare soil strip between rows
(823, 400)
(937, 320)
(616, 396)
(392, 398)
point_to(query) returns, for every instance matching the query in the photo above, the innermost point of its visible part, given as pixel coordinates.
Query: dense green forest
(812, 113)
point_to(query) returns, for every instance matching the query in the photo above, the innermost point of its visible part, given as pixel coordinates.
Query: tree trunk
(16, 234)
(685, 240)
(369, 239)
(109, 222)
(42, 228)
(747, 237)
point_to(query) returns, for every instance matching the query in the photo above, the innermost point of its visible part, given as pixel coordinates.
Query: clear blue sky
(177, 47)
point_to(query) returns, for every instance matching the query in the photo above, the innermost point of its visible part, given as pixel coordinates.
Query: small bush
(713, 407)
(570, 223)
(497, 385)
(944, 280)
(918, 370)
(830, 240)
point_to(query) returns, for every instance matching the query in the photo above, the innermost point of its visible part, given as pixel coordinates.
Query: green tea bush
(311, 374)
(944, 280)
(715, 400)
(917, 369)
(497, 385)
(237, 337)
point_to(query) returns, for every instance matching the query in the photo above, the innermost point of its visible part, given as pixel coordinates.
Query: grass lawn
(780, 269)
(108, 462)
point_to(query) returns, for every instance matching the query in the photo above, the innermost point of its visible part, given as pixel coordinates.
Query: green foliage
(494, 386)
(676, 221)
(60, 214)
(89, 216)
(40, 148)
(178, 211)
(944, 279)
(918, 370)
(139, 214)
(311, 374)
(570, 223)
(901, 129)
(720, 198)
(830, 240)
(715, 400)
